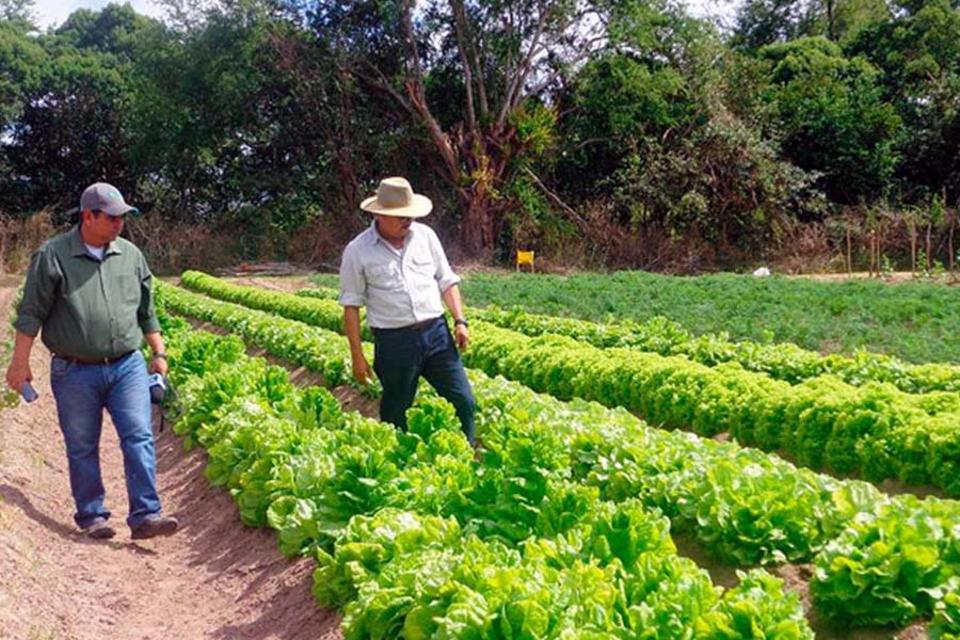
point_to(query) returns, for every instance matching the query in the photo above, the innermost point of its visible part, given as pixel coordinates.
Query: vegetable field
(603, 444)
(914, 321)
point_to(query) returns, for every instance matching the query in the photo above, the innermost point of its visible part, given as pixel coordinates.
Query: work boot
(99, 530)
(153, 526)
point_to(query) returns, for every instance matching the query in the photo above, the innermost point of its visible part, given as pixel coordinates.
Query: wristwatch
(159, 355)
(462, 321)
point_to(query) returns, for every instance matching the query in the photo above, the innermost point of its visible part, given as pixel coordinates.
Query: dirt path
(214, 579)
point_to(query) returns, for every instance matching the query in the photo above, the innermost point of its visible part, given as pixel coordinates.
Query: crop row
(744, 506)
(873, 430)
(914, 321)
(414, 538)
(783, 361)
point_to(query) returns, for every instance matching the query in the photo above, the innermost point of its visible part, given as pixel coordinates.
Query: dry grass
(19, 237)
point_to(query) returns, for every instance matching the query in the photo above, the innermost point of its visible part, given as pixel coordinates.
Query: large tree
(919, 53)
(493, 57)
(65, 125)
(829, 111)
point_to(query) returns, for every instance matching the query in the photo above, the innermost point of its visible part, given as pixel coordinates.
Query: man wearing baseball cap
(89, 292)
(399, 272)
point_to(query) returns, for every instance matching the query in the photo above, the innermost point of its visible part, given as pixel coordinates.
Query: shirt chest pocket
(125, 289)
(384, 276)
(423, 266)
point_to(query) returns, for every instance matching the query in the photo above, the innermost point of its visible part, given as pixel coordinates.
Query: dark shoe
(99, 530)
(155, 526)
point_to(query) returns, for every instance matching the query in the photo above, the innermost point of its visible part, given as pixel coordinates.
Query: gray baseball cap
(101, 196)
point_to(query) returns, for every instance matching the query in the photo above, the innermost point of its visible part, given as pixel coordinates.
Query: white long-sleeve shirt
(399, 287)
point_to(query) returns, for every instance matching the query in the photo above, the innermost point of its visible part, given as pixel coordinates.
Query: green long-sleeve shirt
(87, 308)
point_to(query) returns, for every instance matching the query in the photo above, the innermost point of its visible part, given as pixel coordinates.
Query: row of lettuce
(783, 361)
(414, 538)
(877, 560)
(875, 430)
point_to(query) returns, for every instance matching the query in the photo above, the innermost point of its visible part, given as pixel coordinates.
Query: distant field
(917, 321)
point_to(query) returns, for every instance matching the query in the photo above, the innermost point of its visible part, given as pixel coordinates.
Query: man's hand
(17, 374)
(461, 336)
(362, 372)
(19, 370)
(158, 365)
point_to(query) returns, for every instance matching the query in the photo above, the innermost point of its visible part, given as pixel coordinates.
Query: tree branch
(460, 27)
(581, 223)
(515, 85)
(379, 81)
(413, 61)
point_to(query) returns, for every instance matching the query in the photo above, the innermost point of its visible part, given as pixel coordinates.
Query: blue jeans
(82, 391)
(401, 356)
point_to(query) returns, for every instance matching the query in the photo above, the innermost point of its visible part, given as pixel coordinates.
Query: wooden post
(849, 252)
(951, 215)
(912, 227)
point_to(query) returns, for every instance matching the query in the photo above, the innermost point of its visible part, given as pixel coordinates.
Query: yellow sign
(524, 257)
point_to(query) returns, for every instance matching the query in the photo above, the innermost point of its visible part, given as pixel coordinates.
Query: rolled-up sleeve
(353, 285)
(39, 290)
(445, 276)
(146, 312)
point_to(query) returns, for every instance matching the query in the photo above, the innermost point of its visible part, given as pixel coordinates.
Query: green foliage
(17, 13)
(946, 619)
(898, 552)
(21, 61)
(886, 568)
(919, 53)
(650, 136)
(782, 360)
(832, 117)
(911, 321)
(650, 100)
(328, 485)
(874, 430)
(742, 614)
(269, 118)
(763, 22)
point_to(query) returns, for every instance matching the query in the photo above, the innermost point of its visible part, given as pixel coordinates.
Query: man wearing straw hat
(399, 272)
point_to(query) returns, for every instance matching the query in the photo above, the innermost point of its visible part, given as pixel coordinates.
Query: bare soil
(214, 579)
(895, 277)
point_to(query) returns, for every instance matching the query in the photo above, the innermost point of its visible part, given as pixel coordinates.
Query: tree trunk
(478, 225)
(487, 156)
(349, 183)
(929, 247)
(831, 20)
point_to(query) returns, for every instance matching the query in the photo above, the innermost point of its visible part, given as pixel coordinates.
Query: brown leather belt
(93, 360)
(417, 326)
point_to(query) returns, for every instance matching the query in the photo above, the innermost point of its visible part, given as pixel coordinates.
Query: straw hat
(395, 197)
